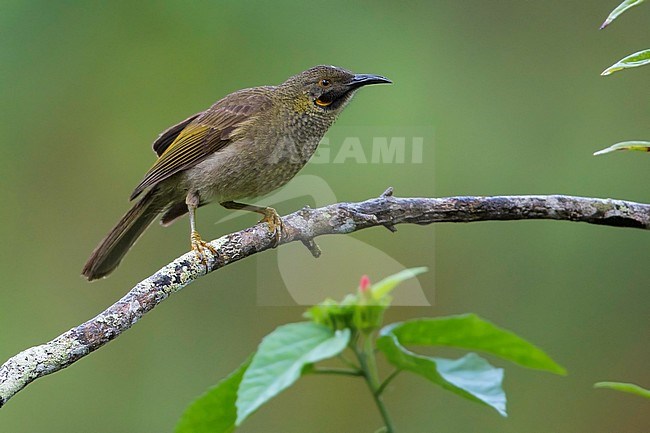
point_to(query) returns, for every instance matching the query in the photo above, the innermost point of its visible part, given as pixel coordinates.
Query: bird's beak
(360, 80)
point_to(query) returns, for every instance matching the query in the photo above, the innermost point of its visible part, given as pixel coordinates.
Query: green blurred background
(513, 93)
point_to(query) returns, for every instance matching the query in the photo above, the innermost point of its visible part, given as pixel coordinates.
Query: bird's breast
(255, 164)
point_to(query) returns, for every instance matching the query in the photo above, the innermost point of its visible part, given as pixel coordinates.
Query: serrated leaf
(624, 387)
(214, 411)
(469, 331)
(385, 286)
(642, 146)
(280, 359)
(627, 4)
(635, 60)
(471, 376)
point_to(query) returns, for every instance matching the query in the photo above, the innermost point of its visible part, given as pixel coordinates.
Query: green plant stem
(347, 362)
(341, 371)
(386, 381)
(368, 364)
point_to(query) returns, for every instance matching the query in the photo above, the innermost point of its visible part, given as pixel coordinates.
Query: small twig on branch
(303, 226)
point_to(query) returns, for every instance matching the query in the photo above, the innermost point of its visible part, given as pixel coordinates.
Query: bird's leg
(198, 245)
(271, 216)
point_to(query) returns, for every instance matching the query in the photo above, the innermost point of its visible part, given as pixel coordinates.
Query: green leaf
(214, 411)
(385, 286)
(476, 376)
(624, 387)
(471, 332)
(632, 61)
(643, 146)
(619, 10)
(280, 359)
(471, 376)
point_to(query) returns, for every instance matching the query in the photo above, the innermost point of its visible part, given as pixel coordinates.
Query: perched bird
(246, 145)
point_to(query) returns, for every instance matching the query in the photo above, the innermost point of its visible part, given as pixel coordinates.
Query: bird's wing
(168, 136)
(199, 137)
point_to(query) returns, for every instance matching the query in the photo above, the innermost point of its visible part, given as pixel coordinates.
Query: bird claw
(199, 246)
(276, 226)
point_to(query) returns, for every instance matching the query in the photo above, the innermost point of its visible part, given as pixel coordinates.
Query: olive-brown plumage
(246, 145)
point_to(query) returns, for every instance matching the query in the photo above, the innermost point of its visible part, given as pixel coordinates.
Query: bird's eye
(325, 82)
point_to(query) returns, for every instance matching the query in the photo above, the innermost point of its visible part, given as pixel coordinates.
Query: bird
(246, 145)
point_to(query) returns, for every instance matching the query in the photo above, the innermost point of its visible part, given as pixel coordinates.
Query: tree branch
(303, 226)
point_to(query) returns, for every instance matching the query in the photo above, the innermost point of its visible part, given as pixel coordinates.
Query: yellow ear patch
(323, 103)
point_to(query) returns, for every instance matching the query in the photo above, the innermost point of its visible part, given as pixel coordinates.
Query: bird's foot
(276, 226)
(199, 246)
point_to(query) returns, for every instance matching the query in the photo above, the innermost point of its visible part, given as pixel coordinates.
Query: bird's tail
(110, 251)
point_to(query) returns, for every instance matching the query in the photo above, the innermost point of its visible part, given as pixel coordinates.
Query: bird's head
(325, 89)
